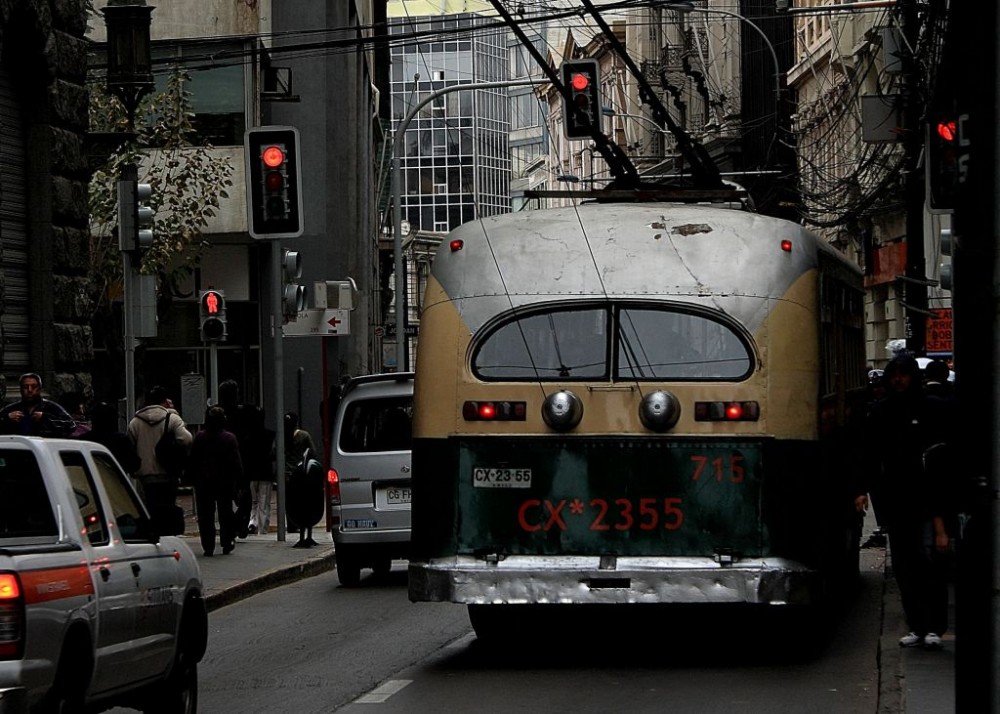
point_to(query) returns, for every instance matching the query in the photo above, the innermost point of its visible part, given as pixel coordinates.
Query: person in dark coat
(216, 469)
(907, 435)
(242, 420)
(104, 430)
(33, 415)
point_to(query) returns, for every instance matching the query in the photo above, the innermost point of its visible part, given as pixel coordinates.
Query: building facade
(44, 314)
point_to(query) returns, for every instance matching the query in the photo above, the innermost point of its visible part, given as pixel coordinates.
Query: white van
(369, 477)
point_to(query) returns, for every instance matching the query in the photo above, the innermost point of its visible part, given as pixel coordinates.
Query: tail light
(726, 411)
(494, 411)
(11, 617)
(333, 482)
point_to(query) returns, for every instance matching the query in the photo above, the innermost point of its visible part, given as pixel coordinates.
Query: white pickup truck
(96, 609)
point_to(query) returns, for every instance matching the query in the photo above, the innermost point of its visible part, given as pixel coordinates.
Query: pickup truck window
(25, 507)
(86, 498)
(130, 518)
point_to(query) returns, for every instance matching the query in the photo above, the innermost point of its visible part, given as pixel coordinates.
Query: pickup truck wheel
(69, 687)
(179, 695)
(348, 567)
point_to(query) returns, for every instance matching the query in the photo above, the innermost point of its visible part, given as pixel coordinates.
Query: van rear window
(25, 509)
(377, 425)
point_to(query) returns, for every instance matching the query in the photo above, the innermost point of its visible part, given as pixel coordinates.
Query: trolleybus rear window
(651, 343)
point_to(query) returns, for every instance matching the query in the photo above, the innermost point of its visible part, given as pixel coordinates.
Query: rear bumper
(13, 700)
(595, 580)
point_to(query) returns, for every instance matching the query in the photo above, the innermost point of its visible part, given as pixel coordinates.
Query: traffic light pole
(279, 382)
(126, 234)
(402, 353)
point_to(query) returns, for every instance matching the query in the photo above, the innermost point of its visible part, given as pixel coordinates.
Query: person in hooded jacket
(906, 437)
(157, 486)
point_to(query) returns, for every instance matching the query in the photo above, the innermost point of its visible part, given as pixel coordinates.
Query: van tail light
(726, 411)
(333, 482)
(11, 617)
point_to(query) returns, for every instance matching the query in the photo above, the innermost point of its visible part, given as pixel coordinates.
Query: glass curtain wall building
(456, 163)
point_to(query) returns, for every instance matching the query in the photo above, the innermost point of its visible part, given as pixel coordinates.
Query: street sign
(408, 330)
(317, 322)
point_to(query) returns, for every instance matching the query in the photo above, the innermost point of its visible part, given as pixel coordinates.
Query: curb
(892, 677)
(268, 580)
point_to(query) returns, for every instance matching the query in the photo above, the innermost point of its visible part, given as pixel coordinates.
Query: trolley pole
(402, 353)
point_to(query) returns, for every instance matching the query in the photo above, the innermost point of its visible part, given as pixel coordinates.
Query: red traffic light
(947, 130)
(273, 156)
(579, 82)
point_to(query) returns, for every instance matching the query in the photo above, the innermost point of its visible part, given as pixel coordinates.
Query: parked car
(369, 477)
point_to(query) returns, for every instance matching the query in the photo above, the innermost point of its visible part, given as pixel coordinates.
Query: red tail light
(333, 481)
(494, 411)
(726, 411)
(11, 617)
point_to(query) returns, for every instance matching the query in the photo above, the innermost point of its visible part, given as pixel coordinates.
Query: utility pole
(915, 279)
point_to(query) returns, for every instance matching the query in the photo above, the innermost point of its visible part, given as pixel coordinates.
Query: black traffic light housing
(581, 98)
(943, 163)
(212, 305)
(274, 182)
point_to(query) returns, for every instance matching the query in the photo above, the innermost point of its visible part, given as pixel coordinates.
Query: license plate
(501, 478)
(360, 523)
(397, 496)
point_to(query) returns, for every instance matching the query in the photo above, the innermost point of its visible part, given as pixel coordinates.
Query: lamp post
(130, 78)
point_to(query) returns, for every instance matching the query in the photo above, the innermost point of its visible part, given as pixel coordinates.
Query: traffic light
(293, 295)
(942, 152)
(274, 185)
(213, 315)
(582, 98)
(945, 275)
(135, 215)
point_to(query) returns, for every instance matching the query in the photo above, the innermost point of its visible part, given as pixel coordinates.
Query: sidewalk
(258, 563)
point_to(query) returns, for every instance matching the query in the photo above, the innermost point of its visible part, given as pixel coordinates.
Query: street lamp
(130, 78)
(130, 73)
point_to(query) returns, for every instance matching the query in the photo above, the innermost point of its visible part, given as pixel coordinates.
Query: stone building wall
(42, 45)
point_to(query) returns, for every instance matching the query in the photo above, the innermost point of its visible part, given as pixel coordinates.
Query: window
(130, 519)
(217, 86)
(671, 345)
(25, 508)
(377, 425)
(82, 482)
(652, 342)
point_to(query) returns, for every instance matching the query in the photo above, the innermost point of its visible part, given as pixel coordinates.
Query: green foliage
(187, 181)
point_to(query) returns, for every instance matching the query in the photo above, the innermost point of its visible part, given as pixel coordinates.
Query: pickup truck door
(155, 567)
(114, 580)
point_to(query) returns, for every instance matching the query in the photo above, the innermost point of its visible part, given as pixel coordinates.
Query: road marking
(383, 692)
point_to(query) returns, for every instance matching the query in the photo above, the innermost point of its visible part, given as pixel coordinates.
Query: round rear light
(562, 410)
(659, 411)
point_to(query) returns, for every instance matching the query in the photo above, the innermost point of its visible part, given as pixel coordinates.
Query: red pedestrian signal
(274, 188)
(944, 163)
(213, 316)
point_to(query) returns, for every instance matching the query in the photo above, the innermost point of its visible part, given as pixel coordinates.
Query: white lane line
(382, 692)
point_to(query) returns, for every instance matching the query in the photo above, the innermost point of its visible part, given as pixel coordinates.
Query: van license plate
(360, 523)
(397, 496)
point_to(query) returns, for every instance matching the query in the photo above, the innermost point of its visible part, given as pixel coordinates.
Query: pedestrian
(104, 430)
(33, 415)
(259, 468)
(215, 470)
(241, 420)
(907, 435)
(75, 405)
(936, 379)
(302, 512)
(157, 485)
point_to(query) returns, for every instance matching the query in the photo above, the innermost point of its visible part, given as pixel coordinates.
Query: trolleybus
(630, 403)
